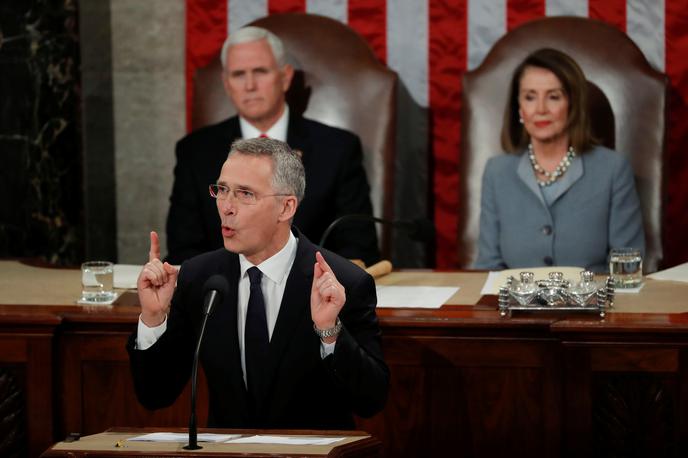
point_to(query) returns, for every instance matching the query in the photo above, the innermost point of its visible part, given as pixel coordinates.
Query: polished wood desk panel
(353, 444)
(26, 381)
(465, 382)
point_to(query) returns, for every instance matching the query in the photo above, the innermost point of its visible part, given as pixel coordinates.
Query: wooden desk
(541, 385)
(354, 444)
(26, 380)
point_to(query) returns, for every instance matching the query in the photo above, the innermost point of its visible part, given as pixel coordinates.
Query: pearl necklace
(551, 177)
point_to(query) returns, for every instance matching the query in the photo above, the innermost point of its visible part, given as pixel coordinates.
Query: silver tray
(556, 295)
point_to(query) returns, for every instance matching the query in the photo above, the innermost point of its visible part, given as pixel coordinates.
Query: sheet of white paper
(183, 437)
(497, 279)
(427, 297)
(126, 275)
(489, 286)
(676, 273)
(286, 440)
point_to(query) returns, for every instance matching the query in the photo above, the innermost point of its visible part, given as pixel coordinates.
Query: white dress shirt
(278, 131)
(273, 282)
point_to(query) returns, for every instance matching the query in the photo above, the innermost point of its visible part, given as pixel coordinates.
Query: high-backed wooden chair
(628, 107)
(339, 82)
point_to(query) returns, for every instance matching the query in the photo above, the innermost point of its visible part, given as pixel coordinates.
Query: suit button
(548, 260)
(547, 229)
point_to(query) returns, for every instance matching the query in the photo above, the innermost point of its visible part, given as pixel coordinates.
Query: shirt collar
(276, 267)
(278, 131)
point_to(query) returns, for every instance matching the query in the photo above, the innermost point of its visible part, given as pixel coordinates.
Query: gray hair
(288, 174)
(250, 33)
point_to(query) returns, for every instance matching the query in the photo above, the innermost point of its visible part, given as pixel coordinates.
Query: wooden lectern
(114, 443)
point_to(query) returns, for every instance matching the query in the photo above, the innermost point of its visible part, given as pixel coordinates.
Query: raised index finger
(323, 264)
(154, 252)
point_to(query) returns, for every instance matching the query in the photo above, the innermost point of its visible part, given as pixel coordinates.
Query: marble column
(149, 107)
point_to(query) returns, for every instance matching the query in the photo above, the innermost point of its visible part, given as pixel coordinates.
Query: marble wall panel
(40, 178)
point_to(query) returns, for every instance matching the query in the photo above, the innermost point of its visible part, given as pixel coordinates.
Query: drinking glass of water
(97, 278)
(626, 267)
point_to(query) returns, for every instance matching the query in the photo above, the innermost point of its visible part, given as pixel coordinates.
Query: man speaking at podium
(295, 342)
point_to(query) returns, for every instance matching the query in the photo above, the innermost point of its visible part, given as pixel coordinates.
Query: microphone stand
(417, 229)
(193, 429)
(352, 217)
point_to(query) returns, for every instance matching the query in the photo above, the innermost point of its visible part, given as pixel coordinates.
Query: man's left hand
(327, 295)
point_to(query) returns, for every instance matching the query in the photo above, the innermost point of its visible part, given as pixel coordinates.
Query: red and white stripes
(431, 43)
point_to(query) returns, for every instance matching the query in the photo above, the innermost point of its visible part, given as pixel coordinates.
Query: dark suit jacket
(304, 391)
(336, 185)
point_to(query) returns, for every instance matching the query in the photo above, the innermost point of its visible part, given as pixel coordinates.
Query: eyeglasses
(244, 196)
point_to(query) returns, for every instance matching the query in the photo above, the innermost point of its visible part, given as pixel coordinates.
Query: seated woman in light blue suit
(557, 199)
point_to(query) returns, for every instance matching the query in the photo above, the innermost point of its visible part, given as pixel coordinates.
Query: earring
(520, 120)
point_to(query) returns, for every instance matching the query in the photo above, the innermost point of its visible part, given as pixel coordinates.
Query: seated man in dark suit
(256, 79)
(294, 344)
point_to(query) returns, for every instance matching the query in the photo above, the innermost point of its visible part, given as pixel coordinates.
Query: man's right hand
(155, 285)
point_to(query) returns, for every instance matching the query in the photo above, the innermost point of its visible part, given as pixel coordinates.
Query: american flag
(431, 43)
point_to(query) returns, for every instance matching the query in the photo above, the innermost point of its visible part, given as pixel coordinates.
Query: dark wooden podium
(114, 443)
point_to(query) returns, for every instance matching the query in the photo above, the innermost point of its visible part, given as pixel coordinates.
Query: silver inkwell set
(556, 294)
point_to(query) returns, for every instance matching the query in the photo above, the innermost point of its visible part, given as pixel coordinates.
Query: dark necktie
(256, 338)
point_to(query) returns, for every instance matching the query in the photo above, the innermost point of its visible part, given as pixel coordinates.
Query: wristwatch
(324, 333)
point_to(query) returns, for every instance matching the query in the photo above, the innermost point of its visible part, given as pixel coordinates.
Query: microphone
(215, 289)
(418, 229)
